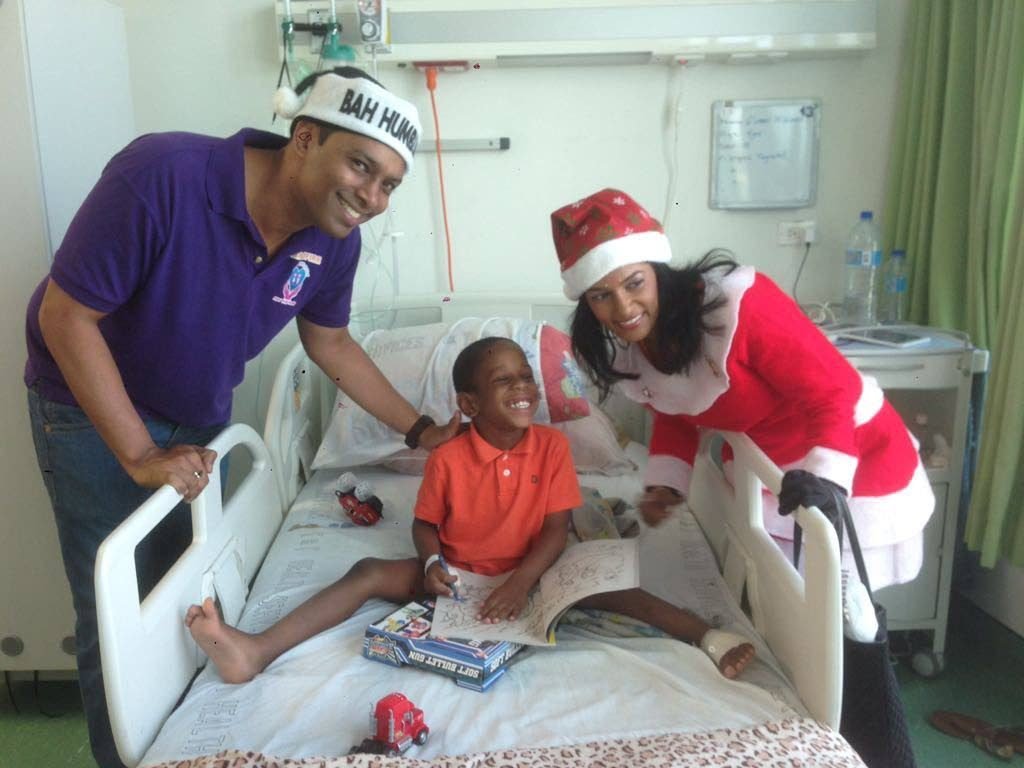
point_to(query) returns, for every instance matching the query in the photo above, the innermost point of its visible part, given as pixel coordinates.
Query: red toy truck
(395, 723)
(358, 500)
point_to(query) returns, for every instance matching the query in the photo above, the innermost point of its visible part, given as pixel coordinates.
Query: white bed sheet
(315, 699)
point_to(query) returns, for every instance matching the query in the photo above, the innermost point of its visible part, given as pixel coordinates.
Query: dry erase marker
(454, 587)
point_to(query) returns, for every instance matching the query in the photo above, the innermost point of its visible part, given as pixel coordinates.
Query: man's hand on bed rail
(658, 502)
(802, 488)
(186, 468)
(434, 435)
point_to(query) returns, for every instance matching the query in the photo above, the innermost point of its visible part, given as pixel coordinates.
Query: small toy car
(395, 724)
(358, 500)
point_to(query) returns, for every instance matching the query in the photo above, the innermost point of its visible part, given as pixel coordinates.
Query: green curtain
(956, 203)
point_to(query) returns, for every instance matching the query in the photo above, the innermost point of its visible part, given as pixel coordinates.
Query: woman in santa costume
(716, 345)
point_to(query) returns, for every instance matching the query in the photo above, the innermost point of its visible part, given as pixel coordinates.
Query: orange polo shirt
(489, 504)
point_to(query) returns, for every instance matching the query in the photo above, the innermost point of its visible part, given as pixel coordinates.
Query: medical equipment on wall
(325, 45)
(571, 32)
(373, 21)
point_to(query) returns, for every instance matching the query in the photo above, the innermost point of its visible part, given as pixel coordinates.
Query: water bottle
(863, 259)
(895, 295)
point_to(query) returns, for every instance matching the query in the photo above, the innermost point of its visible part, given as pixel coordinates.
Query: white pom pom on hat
(287, 102)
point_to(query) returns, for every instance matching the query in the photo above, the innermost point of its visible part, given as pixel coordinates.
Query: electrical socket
(796, 232)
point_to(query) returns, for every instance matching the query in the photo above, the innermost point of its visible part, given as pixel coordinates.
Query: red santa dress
(769, 372)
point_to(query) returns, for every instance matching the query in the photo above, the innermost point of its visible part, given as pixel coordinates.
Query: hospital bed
(624, 700)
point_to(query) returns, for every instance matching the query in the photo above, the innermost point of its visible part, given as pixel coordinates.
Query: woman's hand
(657, 503)
(802, 488)
(505, 603)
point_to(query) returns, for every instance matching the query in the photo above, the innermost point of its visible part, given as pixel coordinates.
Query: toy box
(403, 637)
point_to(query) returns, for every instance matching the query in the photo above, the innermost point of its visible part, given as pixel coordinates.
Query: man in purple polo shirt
(186, 259)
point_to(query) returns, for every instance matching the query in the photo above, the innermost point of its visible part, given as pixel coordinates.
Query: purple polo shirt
(165, 246)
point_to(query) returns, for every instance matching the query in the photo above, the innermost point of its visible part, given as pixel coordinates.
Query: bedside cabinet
(929, 384)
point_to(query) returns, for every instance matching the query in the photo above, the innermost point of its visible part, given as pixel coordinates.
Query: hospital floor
(44, 727)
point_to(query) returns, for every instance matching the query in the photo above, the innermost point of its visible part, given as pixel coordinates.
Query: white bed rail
(294, 423)
(148, 656)
(799, 617)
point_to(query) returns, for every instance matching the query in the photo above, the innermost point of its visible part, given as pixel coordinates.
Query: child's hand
(657, 503)
(503, 604)
(438, 581)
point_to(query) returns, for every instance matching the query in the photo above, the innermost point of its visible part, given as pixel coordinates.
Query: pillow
(595, 446)
(418, 361)
(564, 386)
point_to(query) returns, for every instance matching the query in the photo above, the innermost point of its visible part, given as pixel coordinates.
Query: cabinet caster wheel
(928, 663)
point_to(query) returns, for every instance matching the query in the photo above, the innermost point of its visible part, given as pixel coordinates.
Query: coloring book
(583, 569)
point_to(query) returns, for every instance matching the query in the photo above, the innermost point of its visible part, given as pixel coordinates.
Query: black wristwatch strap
(412, 437)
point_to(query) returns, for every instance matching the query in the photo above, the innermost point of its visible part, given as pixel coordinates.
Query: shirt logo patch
(293, 285)
(312, 258)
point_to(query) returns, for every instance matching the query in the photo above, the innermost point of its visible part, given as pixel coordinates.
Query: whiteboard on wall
(764, 153)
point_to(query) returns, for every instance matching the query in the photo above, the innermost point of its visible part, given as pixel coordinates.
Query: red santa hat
(602, 232)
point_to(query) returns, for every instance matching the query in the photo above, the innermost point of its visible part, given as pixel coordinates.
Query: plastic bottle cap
(866, 215)
(899, 254)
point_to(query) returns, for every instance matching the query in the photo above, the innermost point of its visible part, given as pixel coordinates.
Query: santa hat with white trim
(348, 98)
(602, 232)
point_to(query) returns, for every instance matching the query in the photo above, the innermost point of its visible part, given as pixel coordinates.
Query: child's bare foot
(232, 651)
(730, 652)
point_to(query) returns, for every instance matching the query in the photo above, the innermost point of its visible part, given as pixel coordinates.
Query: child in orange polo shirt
(494, 499)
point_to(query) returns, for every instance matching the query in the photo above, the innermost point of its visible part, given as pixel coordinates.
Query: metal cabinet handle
(890, 368)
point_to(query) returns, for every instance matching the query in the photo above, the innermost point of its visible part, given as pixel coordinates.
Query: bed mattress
(315, 699)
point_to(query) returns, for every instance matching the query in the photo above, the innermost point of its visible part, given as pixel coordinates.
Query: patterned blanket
(795, 743)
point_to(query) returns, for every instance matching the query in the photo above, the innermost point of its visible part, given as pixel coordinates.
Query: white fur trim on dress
(833, 465)
(880, 520)
(358, 105)
(889, 528)
(708, 378)
(870, 401)
(612, 254)
(669, 471)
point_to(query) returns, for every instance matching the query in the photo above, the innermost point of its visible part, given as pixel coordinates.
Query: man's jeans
(91, 495)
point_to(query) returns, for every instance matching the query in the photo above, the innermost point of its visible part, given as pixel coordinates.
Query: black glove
(802, 488)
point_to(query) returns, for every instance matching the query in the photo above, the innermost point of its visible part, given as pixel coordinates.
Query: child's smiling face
(505, 395)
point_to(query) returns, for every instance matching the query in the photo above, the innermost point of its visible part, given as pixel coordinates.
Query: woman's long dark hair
(683, 309)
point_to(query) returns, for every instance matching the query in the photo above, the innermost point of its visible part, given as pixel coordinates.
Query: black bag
(873, 720)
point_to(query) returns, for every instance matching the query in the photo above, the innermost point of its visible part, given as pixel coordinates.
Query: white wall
(212, 67)
(35, 603)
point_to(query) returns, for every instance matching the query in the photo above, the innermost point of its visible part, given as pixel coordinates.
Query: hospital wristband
(430, 561)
